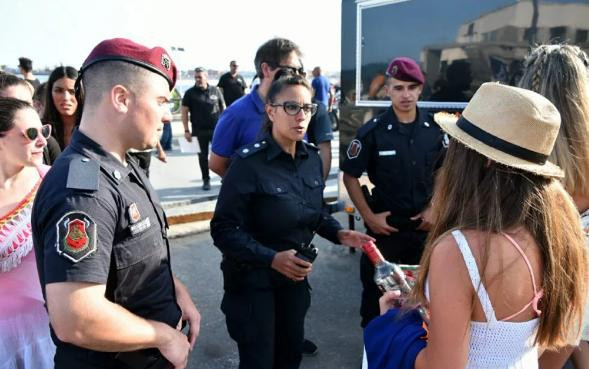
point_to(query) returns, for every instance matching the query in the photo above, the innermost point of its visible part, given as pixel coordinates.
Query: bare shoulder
(447, 267)
(446, 252)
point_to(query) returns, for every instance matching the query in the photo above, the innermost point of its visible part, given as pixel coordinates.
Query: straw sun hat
(509, 125)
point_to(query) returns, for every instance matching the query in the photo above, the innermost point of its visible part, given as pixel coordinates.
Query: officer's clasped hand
(174, 347)
(378, 223)
(425, 220)
(289, 265)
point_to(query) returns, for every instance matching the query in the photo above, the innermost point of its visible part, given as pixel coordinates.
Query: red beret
(156, 60)
(405, 69)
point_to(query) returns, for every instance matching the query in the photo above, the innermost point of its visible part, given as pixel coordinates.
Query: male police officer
(400, 150)
(99, 232)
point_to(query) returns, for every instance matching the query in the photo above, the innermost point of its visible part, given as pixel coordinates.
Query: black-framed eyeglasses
(292, 108)
(33, 133)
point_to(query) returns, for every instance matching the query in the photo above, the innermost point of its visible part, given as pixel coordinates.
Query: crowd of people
(493, 205)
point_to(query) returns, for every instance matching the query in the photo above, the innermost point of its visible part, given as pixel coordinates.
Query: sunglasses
(292, 108)
(33, 133)
(300, 71)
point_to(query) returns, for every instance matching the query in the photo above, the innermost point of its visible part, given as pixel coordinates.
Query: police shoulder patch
(76, 236)
(354, 149)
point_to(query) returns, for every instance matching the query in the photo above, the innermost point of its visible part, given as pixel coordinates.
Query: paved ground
(332, 321)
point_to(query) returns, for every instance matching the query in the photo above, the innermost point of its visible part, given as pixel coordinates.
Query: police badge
(166, 61)
(133, 212)
(394, 70)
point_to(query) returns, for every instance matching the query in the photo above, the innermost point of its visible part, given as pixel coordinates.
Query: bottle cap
(372, 252)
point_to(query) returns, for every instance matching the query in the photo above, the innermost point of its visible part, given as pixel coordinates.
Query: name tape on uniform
(387, 153)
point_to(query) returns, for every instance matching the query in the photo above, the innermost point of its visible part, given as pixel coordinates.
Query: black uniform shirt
(205, 106)
(271, 202)
(233, 87)
(400, 161)
(95, 220)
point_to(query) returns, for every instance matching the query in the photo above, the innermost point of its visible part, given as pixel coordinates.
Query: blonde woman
(504, 272)
(559, 72)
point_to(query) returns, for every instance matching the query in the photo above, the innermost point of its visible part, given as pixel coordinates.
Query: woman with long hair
(25, 341)
(61, 104)
(269, 208)
(560, 73)
(12, 86)
(504, 274)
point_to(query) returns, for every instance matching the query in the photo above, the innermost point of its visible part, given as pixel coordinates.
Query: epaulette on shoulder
(249, 150)
(367, 127)
(83, 174)
(311, 146)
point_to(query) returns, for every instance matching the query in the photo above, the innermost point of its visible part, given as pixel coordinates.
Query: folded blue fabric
(393, 340)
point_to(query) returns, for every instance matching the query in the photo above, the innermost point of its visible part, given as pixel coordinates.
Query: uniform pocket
(274, 189)
(138, 248)
(314, 192)
(389, 160)
(237, 308)
(313, 182)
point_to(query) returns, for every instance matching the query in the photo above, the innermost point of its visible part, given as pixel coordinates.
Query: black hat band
(500, 144)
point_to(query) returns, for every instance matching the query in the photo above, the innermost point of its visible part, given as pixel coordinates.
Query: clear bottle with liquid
(389, 276)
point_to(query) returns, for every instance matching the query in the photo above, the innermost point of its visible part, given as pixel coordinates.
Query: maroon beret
(405, 69)
(156, 60)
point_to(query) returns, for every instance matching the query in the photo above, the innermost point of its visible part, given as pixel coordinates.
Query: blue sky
(212, 32)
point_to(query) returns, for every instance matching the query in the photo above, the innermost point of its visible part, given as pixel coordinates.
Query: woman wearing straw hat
(501, 272)
(560, 73)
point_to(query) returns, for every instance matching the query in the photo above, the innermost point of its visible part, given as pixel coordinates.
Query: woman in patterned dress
(25, 341)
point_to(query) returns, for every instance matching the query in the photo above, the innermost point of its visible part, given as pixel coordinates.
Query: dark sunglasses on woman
(292, 108)
(33, 132)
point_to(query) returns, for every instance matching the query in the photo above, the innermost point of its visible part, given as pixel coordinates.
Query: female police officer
(270, 206)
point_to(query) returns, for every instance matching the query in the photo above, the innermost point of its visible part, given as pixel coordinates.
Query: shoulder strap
(475, 277)
(42, 169)
(537, 294)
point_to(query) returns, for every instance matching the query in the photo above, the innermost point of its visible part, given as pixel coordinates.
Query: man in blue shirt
(321, 86)
(240, 123)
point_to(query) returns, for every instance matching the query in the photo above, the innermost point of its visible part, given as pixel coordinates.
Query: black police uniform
(95, 220)
(400, 160)
(269, 202)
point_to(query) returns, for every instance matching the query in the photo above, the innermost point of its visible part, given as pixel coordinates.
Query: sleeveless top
(585, 225)
(25, 341)
(499, 344)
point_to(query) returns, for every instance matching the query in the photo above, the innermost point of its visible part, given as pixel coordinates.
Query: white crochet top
(497, 344)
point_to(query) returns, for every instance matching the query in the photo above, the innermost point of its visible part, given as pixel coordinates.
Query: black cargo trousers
(265, 315)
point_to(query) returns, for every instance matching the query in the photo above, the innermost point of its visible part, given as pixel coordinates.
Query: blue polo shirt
(239, 124)
(321, 86)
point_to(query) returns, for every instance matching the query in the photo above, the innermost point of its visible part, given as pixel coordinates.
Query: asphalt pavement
(333, 321)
